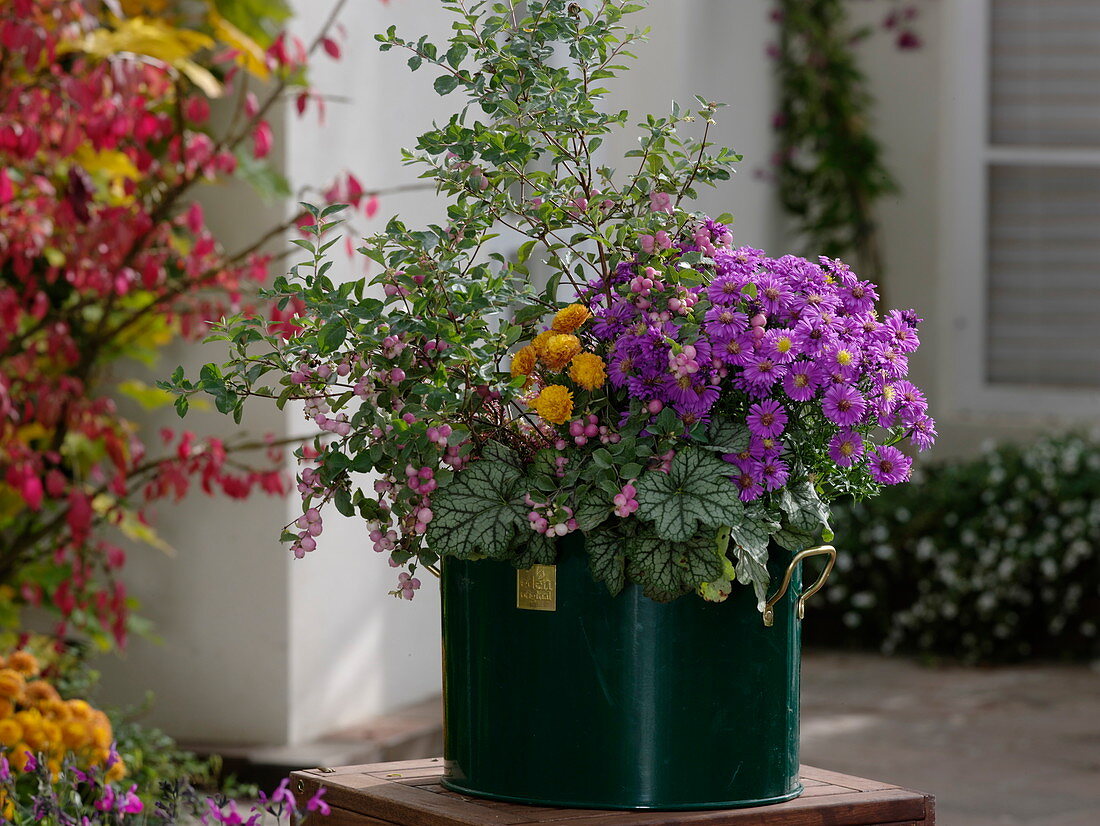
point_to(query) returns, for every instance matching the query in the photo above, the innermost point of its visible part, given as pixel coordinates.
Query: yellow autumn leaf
(249, 53)
(130, 525)
(31, 432)
(156, 39)
(112, 163)
(148, 396)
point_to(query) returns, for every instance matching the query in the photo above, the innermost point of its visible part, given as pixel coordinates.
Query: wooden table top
(409, 794)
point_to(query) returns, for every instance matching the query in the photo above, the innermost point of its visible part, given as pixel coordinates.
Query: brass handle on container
(820, 550)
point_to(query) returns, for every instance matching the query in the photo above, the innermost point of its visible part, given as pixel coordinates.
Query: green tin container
(586, 700)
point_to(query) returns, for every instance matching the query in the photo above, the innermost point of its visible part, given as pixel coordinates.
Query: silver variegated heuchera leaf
(606, 559)
(695, 491)
(749, 541)
(480, 510)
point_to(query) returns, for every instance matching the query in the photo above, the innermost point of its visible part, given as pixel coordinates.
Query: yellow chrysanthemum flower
(6, 708)
(12, 684)
(559, 351)
(10, 732)
(587, 370)
(75, 734)
(33, 732)
(55, 710)
(554, 403)
(80, 709)
(570, 318)
(19, 755)
(539, 341)
(40, 692)
(24, 662)
(523, 362)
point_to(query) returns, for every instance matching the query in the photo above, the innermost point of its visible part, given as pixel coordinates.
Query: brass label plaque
(537, 588)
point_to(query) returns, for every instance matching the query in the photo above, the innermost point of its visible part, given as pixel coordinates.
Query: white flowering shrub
(992, 558)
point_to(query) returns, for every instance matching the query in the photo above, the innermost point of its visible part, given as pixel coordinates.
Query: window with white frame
(1025, 178)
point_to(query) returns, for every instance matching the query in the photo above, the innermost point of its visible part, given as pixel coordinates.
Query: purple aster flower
(650, 385)
(763, 372)
(742, 461)
(889, 466)
(690, 418)
(723, 323)
(774, 472)
(815, 299)
(750, 481)
(737, 351)
(615, 320)
(779, 345)
(764, 447)
(620, 370)
(766, 418)
(910, 401)
(860, 297)
(898, 332)
(843, 405)
(802, 381)
(681, 391)
(923, 433)
(889, 360)
(885, 405)
(725, 290)
(844, 359)
(845, 447)
(742, 261)
(773, 294)
(813, 335)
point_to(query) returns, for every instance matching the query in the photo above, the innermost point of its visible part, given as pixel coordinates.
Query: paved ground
(998, 747)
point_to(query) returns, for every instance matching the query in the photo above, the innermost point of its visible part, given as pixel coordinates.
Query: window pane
(1045, 72)
(1044, 276)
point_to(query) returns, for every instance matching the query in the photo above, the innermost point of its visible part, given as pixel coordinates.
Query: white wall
(712, 48)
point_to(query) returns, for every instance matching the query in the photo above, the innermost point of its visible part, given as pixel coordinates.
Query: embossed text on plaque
(537, 588)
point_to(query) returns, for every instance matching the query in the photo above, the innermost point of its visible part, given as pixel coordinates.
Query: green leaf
(728, 437)
(806, 512)
(695, 490)
(445, 84)
(719, 589)
(606, 558)
(534, 549)
(592, 512)
(652, 563)
(332, 335)
(701, 560)
(480, 509)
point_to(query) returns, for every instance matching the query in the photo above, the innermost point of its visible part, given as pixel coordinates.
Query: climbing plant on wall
(829, 168)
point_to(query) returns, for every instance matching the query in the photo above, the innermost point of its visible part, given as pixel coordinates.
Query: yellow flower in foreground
(10, 732)
(12, 684)
(559, 350)
(19, 755)
(570, 318)
(587, 370)
(116, 772)
(523, 362)
(554, 403)
(40, 692)
(24, 662)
